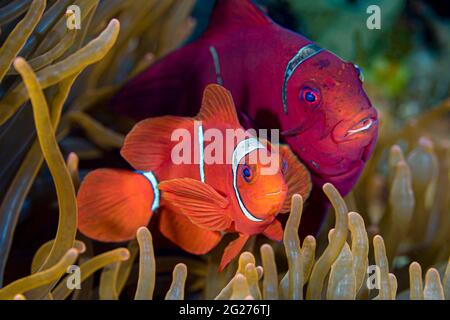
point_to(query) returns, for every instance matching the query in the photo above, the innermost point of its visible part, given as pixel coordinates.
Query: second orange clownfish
(197, 201)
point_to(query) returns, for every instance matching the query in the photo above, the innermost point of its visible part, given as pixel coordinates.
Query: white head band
(242, 149)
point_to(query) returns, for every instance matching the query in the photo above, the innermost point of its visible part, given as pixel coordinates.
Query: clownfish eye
(247, 173)
(359, 72)
(310, 96)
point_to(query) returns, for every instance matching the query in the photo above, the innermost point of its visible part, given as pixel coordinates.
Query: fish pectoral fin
(149, 143)
(296, 175)
(113, 204)
(187, 235)
(218, 105)
(232, 250)
(274, 231)
(203, 205)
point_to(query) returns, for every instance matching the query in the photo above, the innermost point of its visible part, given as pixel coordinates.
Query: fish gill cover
(56, 125)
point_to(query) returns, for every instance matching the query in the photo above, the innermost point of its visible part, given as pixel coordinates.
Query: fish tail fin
(113, 204)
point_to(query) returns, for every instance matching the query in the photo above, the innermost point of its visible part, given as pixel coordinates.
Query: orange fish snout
(270, 201)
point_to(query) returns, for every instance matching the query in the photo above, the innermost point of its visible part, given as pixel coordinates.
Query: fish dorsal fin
(147, 146)
(218, 105)
(237, 13)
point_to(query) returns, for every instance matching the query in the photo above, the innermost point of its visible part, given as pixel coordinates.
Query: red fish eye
(310, 96)
(247, 173)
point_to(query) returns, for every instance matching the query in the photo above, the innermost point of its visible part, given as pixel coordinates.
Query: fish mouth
(363, 125)
(346, 129)
(348, 145)
(274, 208)
(362, 129)
(272, 194)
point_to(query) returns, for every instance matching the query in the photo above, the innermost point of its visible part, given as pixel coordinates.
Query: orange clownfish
(198, 201)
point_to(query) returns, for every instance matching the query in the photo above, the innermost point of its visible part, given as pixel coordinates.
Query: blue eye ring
(359, 72)
(247, 173)
(310, 96)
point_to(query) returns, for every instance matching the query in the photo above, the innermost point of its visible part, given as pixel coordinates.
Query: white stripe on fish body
(242, 149)
(216, 62)
(303, 54)
(201, 143)
(151, 177)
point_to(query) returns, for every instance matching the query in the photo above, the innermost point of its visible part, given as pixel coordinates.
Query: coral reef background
(55, 126)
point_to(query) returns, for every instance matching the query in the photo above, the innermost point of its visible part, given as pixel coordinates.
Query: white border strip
(242, 149)
(201, 142)
(151, 177)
